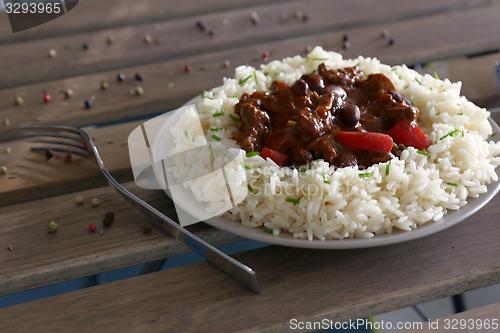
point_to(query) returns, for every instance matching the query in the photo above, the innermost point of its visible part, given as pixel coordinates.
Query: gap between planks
(40, 259)
(180, 38)
(166, 86)
(296, 283)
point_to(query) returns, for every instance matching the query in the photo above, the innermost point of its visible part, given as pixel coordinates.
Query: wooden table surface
(457, 38)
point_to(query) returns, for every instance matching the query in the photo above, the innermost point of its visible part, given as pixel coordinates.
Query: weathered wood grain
(233, 29)
(337, 285)
(39, 258)
(167, 86)
(31, 177)
(92, 15)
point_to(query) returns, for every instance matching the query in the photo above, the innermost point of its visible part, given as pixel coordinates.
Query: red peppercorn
(68, 158)
(46, 98)
(265, 55)
(187, 69)
(92, 227)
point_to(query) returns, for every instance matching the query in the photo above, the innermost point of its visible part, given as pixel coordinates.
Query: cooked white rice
(325, 202)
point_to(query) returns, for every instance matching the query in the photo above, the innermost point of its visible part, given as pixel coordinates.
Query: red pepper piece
(371, 141)
(278, 158)
(410, 135)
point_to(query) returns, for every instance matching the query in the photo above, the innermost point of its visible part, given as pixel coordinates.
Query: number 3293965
(33, 8)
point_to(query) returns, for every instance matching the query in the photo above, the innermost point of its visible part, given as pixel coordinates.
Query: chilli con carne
(333, 114)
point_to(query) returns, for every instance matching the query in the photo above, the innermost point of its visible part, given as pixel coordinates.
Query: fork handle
(232, 267)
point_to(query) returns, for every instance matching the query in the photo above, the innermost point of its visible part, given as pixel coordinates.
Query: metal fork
(71, 140)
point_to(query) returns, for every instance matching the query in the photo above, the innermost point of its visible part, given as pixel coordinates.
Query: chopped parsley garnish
(419, 82)
(436, 76)
(234, 117)
(423, 152)
(302, 169)
(292, 200)
(245, 79)
(250, 188)
(216, 129)
(252, 154)
(246, 166)
(326, 180)
(218, 114)
(254, 74)
(318, 59)
(365, 174)
(452, 133)
(388, 168)
(452, 184)
(216, 138)
(268, 230)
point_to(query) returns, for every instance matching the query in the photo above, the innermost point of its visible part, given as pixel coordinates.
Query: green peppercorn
(52, 227)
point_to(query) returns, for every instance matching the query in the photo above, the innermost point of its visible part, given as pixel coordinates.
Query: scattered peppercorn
(254, 17)
(138, 77)
(171, 84)
(299, 15)
(85, 46)
(68, 93)
(384, 34)
(19, 100)
(109, 40)
(46, 98)
(146, 229)
(148, 39)
(108, 220)
(201, 26)
(104, 85)
(120, 77)
(10, 248)
(53, 53)
(211, 32)
(345, 38)
(346, 45)
(187, 69)
(7, 122)
(48, 155)
(391, 42)
(92, 227)
(68, 158)
(226, 64)
(3, 170)
(87, 104)
(265, 55)
(138, 90)
(7, 151)
(79, 200)
(95, 202)
(52, 227)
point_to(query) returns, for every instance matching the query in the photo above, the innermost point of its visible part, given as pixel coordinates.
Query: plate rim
(286, 239)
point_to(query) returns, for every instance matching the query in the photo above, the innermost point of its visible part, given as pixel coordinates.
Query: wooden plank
(92, 15)
(208, 69)
(31, 177)
(233, 29)
(39, 258)
(296, 283)
(30, 174)
(484, 314)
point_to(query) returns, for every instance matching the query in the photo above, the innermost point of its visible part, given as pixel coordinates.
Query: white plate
(286, 239)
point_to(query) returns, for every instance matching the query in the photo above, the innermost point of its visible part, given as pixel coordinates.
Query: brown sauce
(302, 120)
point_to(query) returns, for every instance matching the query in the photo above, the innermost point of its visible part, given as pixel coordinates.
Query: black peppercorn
(108, 220)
